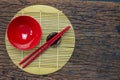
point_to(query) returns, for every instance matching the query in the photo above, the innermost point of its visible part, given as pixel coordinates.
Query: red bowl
(24, 32)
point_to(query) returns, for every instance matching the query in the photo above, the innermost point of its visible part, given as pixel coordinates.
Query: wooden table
(97, 50)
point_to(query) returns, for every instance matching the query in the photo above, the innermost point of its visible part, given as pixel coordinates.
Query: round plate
(53, 59)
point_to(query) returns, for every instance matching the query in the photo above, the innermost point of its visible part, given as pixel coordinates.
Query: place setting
(40, 39)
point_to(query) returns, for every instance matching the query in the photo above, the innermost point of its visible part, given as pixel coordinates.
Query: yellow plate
(53, 59)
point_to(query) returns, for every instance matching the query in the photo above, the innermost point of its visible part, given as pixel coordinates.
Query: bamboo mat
(51, 20)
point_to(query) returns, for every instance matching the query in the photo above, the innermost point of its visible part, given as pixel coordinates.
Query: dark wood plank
(97, 50)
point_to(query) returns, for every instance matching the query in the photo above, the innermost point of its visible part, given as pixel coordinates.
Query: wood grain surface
(97, 50)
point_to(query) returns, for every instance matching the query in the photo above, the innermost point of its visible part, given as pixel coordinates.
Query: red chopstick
(27, 60)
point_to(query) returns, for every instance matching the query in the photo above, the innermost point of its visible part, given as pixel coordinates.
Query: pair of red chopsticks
(27, 60)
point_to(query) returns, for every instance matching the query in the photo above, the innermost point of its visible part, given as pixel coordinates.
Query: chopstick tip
(23, 67)
(68, 26)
